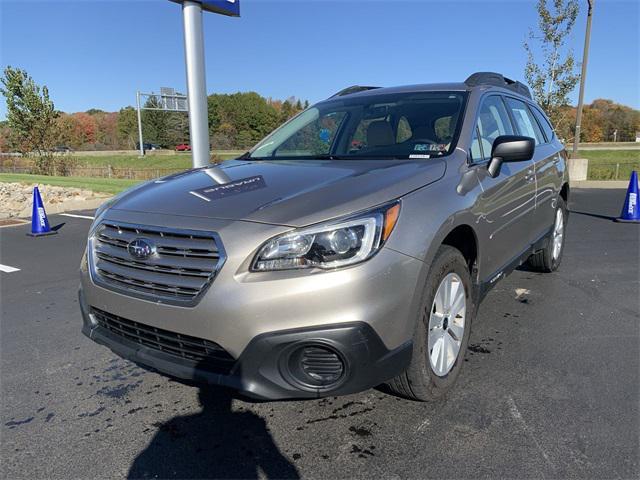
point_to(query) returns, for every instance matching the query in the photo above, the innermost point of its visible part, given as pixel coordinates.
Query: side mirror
(510, 148)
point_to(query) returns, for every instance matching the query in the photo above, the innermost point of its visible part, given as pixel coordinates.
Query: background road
(550, 387)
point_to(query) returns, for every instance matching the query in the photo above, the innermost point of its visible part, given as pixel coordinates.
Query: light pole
(196, 82)
(585, 57)
(194, 62)
(140, 144)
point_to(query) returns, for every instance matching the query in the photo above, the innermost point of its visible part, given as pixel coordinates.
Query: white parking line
(8, 269)
(77, 216)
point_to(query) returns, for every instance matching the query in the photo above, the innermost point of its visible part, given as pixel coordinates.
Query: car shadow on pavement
(594, 215)
(218, 442)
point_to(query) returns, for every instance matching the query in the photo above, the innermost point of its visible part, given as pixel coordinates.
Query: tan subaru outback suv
(349, 248)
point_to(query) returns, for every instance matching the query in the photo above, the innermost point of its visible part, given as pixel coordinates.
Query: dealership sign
(223, 7)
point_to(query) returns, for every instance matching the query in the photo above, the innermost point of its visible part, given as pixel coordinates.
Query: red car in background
(183, 147)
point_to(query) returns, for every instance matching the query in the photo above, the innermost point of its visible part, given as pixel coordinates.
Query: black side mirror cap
(510, 148)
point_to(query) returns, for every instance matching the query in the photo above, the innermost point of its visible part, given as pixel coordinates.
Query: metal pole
(196, 82)
(141, 145)
(583, 75)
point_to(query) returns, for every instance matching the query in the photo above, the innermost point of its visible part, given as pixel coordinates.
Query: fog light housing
(316, 366)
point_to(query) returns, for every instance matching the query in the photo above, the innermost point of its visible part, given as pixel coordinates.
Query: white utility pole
(583, 77)
(194, 62)
(140, 144)
(196, 82)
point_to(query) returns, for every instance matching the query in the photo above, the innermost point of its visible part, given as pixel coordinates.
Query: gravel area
(16, 199)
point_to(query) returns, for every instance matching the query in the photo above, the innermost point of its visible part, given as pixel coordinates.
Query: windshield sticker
(421, 147)
(229, 189)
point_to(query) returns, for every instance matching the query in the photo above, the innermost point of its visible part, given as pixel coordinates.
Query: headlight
(329, 245)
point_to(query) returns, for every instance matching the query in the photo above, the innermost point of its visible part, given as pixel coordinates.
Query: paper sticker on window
(421, 147)
(325, 135)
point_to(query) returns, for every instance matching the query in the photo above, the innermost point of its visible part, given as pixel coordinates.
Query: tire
(548, 259)
(420, 381)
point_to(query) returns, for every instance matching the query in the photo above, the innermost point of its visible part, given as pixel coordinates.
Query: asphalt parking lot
(550, 387)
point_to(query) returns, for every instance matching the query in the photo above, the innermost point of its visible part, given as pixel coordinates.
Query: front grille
(209, 355)
(181, 267)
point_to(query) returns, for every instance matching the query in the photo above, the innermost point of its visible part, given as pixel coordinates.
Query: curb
(609, 184)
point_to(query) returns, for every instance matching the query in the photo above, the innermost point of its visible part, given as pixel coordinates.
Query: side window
(525, 123)
(544, 122)
(493, 121)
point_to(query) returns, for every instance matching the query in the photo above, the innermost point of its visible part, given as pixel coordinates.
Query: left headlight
(329, 245)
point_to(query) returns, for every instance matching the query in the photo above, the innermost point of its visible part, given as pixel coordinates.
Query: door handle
(530, 176)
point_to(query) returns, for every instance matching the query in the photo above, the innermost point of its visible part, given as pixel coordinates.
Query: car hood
(292, 193)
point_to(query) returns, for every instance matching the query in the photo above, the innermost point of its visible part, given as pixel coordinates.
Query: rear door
(548, 173)
(545, 161)
(506, 204)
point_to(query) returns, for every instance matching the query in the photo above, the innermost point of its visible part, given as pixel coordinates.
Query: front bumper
(260, 371)
(367, 312)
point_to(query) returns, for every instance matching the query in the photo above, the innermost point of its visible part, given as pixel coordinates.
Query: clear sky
(96, 54)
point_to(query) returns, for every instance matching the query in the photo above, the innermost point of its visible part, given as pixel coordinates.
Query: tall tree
(155, 123)
(554, 75)
(31, 115)
(128, 127)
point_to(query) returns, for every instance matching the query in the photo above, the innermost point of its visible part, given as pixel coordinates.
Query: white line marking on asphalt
(517, 416)
(77, 216)
(8, 269)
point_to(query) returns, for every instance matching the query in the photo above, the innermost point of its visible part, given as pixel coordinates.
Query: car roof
(423, 87)
(476, 81)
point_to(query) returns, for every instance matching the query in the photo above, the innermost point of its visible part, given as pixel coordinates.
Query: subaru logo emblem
(141, 248)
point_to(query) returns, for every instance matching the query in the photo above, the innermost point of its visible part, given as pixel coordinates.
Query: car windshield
(401, 125)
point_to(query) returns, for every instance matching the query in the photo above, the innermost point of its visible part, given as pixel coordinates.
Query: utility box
(578, 169)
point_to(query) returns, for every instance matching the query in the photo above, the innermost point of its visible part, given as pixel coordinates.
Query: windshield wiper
(332, 157)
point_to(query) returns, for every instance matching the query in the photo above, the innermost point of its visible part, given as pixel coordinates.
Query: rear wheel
(548, 259)
(442, 330)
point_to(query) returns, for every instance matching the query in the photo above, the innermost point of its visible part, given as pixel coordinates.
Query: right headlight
(329, 245)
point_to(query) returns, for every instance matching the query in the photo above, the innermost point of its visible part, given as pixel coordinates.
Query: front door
(505, 207)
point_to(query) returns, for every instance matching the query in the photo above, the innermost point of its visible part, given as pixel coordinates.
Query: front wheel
(548, 259)
(442, 330)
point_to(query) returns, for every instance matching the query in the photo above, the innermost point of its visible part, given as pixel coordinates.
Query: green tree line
(35, 127)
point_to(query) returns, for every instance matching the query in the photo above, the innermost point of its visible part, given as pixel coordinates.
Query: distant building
(637, 137)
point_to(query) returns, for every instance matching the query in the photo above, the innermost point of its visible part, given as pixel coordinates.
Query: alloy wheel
(447, 324)
(558, 234)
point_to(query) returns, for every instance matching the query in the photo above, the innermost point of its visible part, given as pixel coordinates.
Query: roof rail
(352, 89)
(499, 80)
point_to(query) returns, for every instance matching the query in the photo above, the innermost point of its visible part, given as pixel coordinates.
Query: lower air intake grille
(209, 355)
(316, 367)
(322, 364)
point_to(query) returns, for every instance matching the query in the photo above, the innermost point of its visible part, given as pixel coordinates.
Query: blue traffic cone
(630, 212)
(39, 221)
